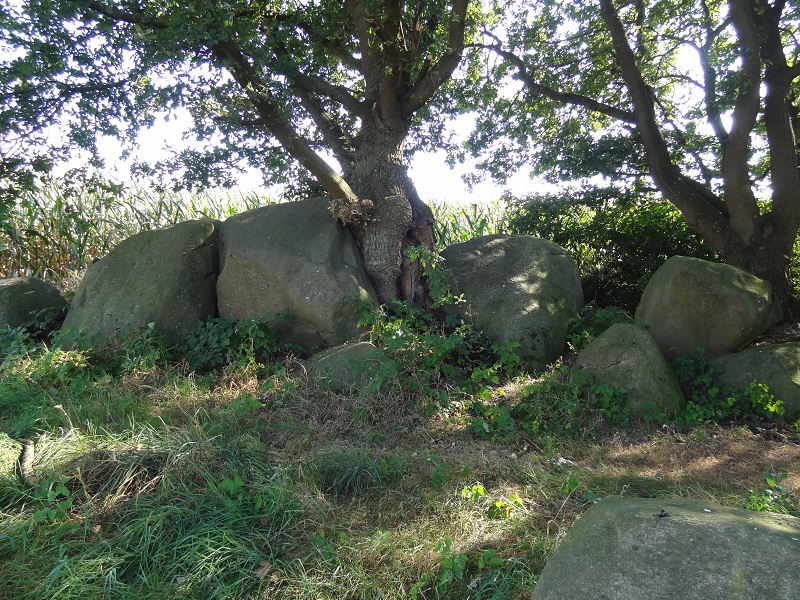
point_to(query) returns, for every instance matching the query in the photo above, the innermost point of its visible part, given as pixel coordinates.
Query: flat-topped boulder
(674, 549)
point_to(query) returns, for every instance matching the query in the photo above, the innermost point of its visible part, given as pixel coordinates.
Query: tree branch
(318, 85)
(564, 97)
(338, 50)
(389, 83)
(425, 87)
(778, 118)
(736, 152)
(370, 58)
(703, 211)
(270, 111)
(117, 14)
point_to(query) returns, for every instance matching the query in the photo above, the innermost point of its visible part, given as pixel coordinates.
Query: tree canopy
(278, 85)
(698, 98)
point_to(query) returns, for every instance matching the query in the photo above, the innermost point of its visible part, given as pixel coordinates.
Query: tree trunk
(397, 220)
(766, 255)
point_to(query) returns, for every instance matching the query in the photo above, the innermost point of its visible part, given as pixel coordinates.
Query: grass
(179, 491)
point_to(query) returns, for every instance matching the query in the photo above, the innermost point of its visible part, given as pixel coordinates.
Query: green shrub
(592, 322)
(225, 341)
(776, 497)
(13, 342)
(706, 401)
(436, 360)
(558, 402)
(141, 350)
(618, 241)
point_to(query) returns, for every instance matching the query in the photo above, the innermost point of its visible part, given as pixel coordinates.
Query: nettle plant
(707, 401)
(436, 359)
(225, 341)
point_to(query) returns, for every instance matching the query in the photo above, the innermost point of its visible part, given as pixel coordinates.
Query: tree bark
(398, 218)
(766, 255)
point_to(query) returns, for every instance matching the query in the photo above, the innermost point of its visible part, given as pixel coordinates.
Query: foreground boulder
(627, 356)
(24, 300)
(776, 365)
(691, 303)
(624, 549)
(350, 367)
(292, 257)
(517, 288)
(166, 277)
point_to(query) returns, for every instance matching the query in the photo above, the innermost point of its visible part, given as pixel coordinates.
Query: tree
(273, 83)
(698, 95)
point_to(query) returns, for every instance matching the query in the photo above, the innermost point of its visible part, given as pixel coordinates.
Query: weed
(438, 277)
(50, 368)
(573, 484)
(776, 497)
(439, 473)
(500, 508)
(349, 473)
(434, 362)
(56, 499)
(708, 403)
(13, 342)
(245, 403)
(452, 566)
(325, 544)
(558, 402)
(141, 350)
(503, 507)
(451, 569)
(473, 493)
(224, 341)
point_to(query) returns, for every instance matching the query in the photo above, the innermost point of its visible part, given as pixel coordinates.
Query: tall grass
(457, 223)
(64, 224)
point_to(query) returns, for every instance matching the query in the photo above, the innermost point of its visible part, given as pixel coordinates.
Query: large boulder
(674, 549)
(24, 300)
(517, 288)
(350, 367)
(691, 303)
(165, 277)
(776, 365)
(292, 257)
(627, 356)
